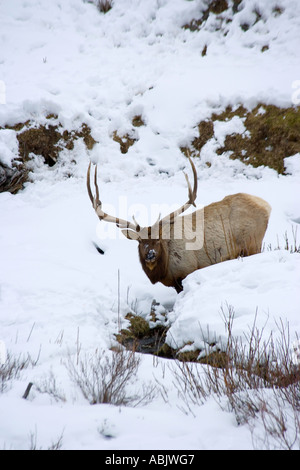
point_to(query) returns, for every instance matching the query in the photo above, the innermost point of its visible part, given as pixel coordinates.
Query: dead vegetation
(104, 5)
(293, 246)
(140, 337)
(12, 179)
(127, 140)
(47, 141)
(148, 336)
(12, 369)
(55, 445)
(48, 385)
(108, 378)
(271, 134)
(220, 13)
(216, 8)
(257, 380)
(138, 121)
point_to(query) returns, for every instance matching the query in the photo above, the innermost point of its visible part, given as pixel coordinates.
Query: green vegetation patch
(140, 337)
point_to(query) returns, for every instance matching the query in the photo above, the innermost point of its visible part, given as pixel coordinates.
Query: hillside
(137, 89)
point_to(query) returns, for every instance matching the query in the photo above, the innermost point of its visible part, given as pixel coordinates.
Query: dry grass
(12, 369)
(49, 140)
(215, 7)
(273, 134)
(140, 337)
(108, 378)
(257, 380)
(49, 386)
(126, 141)
(221, 13)
(293, 246)
(104, 5)
(46, 141)
(55, 445)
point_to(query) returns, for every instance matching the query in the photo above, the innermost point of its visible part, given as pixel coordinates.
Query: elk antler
(97, 205)
(170, 218)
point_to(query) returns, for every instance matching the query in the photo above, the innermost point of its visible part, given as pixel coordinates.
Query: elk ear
(130, 234)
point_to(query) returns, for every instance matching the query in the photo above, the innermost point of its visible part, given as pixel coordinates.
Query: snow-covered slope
(57, 294)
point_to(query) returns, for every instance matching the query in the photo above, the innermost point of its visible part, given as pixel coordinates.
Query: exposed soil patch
(219, 14)
(271, 134)
(40, 141)
(125, 141)
(104, 5)
(44, 140)
(49, 140)
(206, 132)
(216, 8)
(137, 121)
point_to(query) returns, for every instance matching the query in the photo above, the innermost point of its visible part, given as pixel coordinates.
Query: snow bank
(58, 295)
(262, 290)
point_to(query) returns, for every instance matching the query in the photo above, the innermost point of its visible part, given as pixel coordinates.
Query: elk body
(177, 245)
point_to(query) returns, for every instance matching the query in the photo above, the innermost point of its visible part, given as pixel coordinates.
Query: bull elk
(176, 245)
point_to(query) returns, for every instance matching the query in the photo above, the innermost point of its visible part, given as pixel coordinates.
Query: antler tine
(97, 200)
(94, 199)
(138, 227)
(97, 205)
(189, 190)
(88, 185)
(192, 196)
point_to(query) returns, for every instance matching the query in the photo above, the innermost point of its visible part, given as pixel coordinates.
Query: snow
(57, 294)
(234, 284)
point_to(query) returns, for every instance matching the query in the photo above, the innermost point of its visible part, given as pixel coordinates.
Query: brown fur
(233, 227)
(177, 245)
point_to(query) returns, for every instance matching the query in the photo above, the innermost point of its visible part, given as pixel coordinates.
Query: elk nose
(150, 255)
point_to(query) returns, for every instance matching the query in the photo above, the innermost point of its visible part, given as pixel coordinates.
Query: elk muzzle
(150, 259)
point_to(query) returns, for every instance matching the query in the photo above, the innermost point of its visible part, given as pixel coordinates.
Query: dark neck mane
(160, 271)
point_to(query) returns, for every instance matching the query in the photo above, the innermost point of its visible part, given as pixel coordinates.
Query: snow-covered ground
(58, 296)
